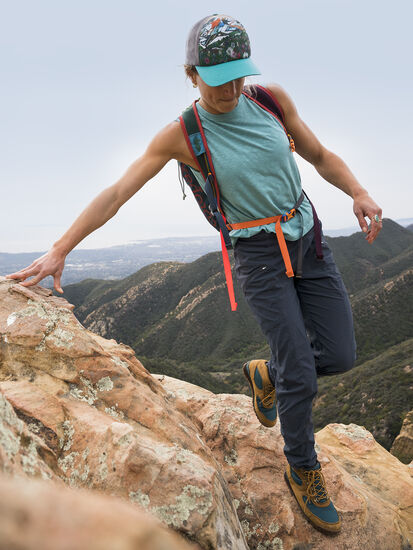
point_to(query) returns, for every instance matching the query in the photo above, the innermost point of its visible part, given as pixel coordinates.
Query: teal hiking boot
(309, 489)
(263, 391)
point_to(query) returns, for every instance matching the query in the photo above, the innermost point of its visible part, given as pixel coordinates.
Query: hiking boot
(309, 488)
(263, 391)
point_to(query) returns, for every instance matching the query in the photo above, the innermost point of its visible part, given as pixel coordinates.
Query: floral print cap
(219, 47)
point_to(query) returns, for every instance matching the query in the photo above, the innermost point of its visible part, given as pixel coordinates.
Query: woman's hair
(190, 70)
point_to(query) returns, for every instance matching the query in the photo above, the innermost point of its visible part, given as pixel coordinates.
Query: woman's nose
(229, 88)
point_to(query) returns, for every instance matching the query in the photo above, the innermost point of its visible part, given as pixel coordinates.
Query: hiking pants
(308, 325)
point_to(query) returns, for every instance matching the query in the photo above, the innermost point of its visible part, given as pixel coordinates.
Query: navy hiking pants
(308, 324)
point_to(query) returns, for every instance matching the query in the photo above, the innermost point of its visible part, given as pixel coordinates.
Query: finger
(57, 285)
(33, 281)
(374, 232)
(19, 276)
(23, 273)
(372, 235)
(362, 222)
(376, 224)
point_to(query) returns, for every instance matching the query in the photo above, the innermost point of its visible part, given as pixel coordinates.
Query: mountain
(177, 318)
(362, 264)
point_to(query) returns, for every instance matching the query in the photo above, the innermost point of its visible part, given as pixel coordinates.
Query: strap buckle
(289, 215)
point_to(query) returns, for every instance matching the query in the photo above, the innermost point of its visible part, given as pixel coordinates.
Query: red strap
(228, 274)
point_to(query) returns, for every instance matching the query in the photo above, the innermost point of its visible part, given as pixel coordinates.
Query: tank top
(255, 168)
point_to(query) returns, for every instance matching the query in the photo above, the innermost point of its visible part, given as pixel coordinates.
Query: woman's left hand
(365, 207)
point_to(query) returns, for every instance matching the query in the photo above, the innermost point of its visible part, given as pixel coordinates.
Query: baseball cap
(219, 47)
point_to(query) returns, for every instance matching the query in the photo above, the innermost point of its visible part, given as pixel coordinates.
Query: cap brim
(215, 75)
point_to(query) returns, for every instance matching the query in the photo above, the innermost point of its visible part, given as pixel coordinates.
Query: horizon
(341, 232)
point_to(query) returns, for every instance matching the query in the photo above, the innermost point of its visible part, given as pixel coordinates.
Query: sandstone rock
(80, 410)
(22, 452)
(46, 516)
(104, 421)
(371, 489)
(403, 444)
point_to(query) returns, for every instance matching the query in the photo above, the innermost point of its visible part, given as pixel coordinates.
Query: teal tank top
(255, 168)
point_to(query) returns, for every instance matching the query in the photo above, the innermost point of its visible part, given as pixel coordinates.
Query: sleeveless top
(255, 168)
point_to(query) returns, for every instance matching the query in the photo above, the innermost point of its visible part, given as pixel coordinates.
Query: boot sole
(321, 529)
(248, 377)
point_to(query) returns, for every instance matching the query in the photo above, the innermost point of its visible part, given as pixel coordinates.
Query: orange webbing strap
(280, 237)
(284, 250)
(228, 274)
(253, 223)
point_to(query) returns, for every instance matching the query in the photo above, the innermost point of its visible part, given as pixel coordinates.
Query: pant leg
(327, 313)
(274, 301)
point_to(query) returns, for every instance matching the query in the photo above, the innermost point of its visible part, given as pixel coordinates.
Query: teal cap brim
(216, 75)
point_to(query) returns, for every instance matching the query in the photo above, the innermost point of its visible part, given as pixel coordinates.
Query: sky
(85, 85)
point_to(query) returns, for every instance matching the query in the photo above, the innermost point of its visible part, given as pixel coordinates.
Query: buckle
(289, 215)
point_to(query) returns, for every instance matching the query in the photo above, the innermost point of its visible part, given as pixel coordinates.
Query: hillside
(362, 264)
(177, 318)
(377, 393)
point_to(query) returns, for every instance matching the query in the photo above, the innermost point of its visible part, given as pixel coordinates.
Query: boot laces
(316, 487)
(268, 399)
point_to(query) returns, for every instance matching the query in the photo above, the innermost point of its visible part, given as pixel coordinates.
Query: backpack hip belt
(281, 218)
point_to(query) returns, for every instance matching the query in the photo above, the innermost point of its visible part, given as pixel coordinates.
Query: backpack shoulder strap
(193, 132)
(267, 101)
(197, 144)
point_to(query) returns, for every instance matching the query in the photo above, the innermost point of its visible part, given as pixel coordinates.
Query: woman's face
(219, 99)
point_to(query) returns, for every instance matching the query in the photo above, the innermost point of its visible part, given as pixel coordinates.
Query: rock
(82, 411)
(371, 489)
(36, 515)
(104, 422)
(403, 444)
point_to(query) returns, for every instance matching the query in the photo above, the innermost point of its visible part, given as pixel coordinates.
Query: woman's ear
(191, 73)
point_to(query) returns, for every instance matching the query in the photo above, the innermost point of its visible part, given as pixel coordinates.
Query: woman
(307, 320)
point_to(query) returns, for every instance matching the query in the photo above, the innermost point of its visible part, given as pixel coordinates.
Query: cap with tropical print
(219, 47)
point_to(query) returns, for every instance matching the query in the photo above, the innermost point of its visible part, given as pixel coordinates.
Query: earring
(194, 85)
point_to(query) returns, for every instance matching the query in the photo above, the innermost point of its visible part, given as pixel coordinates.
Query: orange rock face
(371, 489)
(80, 410)
(43, 516)
(103, 422)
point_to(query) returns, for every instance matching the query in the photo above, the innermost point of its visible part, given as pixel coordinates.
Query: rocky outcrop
(82, 411)
(403, 444)
(36, 515)
(104, 422)
(372, 490)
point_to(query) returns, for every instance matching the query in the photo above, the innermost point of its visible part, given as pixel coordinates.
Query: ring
(377, 219)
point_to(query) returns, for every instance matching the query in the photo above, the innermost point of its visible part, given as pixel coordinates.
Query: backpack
(209, 199)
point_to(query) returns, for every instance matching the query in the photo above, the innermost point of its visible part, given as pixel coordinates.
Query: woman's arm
(105, 206)
(331, 167)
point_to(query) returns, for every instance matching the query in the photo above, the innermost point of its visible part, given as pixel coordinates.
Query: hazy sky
(86, 84)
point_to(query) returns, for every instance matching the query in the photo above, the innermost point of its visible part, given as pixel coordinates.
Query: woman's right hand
(51, 263)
